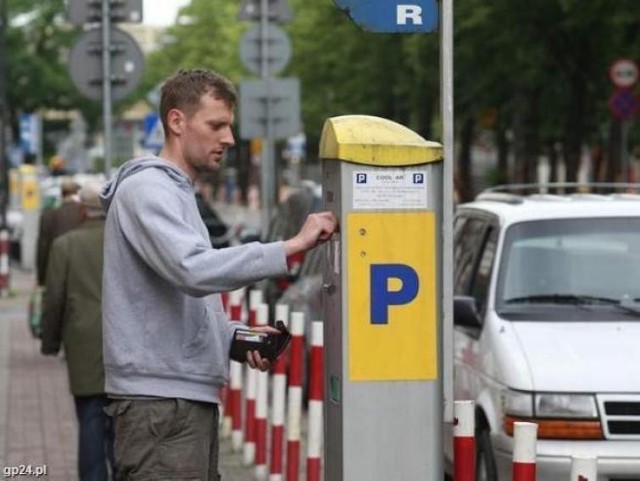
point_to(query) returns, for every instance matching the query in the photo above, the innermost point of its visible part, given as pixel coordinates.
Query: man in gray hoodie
(166, 336)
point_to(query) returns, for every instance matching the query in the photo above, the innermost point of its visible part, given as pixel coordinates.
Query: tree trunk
(502, 143)
(575, 127)
(615, 152)
(525, 130)
(553, 161)
(465, 180)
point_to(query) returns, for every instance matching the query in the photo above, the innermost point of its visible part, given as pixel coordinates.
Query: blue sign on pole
(153, 138)
(392, 16)
(30, 133)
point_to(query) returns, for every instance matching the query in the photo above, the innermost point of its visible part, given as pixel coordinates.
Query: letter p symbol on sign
(382, 297)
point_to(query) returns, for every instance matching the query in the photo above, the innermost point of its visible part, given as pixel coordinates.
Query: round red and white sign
(624, 73)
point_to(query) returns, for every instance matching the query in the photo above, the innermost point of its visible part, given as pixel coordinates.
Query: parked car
(546, 328)
(286, 222)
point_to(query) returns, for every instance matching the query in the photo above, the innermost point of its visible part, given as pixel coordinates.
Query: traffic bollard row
(248, 423)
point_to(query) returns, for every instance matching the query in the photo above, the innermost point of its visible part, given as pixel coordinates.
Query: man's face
(207, 134)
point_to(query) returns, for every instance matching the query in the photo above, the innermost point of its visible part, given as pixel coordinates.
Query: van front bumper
(617, 460)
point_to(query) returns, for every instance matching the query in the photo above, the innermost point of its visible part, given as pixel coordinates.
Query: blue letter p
(382, 297)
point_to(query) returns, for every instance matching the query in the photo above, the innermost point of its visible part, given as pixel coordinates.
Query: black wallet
(270, 346)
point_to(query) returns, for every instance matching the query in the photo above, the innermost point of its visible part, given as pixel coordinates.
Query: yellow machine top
(364, 139)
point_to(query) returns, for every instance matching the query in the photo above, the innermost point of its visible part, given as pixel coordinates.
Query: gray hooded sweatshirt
(165, 335)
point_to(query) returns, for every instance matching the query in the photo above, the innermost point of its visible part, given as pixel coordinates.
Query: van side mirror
(465, 313)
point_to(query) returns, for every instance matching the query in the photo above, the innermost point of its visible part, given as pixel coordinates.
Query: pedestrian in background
(166, 338)
(72, 317)
(54, 223)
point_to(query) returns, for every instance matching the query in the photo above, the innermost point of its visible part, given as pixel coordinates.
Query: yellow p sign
(392, 296)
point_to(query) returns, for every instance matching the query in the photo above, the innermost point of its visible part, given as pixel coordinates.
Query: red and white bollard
(464, 443)
(524, 451)
(294, 401)
(316, 396)
(4, 263)
(584, 468)
(249, 452)
(235, 378)
(278, 396)
(235, 403)
(235, 305)
(262, 401)
(255, 299)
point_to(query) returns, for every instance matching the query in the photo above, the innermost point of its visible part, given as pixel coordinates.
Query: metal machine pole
(106, 85)
(446, 99)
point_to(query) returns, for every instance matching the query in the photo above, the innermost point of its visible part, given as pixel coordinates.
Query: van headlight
(558, 416)
(581, 406)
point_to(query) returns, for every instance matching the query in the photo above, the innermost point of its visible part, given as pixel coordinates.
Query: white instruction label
(389, 189)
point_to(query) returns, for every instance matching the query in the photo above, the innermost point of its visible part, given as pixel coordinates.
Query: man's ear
(175, 121)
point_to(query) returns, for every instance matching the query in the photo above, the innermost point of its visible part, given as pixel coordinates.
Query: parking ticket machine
(382, 308)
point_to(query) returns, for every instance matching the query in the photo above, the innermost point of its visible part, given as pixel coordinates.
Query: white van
(547, 328)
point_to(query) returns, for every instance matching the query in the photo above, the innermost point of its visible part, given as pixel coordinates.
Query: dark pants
(165, 439)
(95, 439)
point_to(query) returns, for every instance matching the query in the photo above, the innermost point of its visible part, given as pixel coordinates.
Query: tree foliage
(533, 73)
(206, 35)
(37, 45)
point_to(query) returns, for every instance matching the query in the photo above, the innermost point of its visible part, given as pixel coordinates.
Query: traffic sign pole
(93, 74)
(624, 104)
(268, 162)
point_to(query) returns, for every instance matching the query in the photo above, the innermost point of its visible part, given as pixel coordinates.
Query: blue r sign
(392, 16)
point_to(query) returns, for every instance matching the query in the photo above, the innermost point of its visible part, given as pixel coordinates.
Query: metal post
(268, 180)
(446, 99)
(624, 154)
(106, 84)
(5, 272)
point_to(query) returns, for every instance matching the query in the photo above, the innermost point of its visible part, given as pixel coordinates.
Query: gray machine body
(383, 430)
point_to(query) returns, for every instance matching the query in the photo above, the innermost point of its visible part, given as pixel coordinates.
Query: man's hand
(254, 359)
(318, 227)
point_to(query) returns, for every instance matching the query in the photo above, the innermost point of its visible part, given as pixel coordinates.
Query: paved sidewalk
(37, 418)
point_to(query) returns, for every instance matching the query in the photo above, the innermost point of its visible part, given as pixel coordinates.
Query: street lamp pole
(4, 167)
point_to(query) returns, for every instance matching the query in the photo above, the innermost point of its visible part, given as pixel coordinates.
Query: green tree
(207, 35)
(38, 41)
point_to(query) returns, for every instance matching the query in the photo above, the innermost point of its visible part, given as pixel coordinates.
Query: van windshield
(556, 266)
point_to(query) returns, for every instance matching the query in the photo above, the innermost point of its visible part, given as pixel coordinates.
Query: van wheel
(485, 464)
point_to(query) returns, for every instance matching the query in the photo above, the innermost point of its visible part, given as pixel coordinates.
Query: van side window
(482, 278)
(468, 239)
